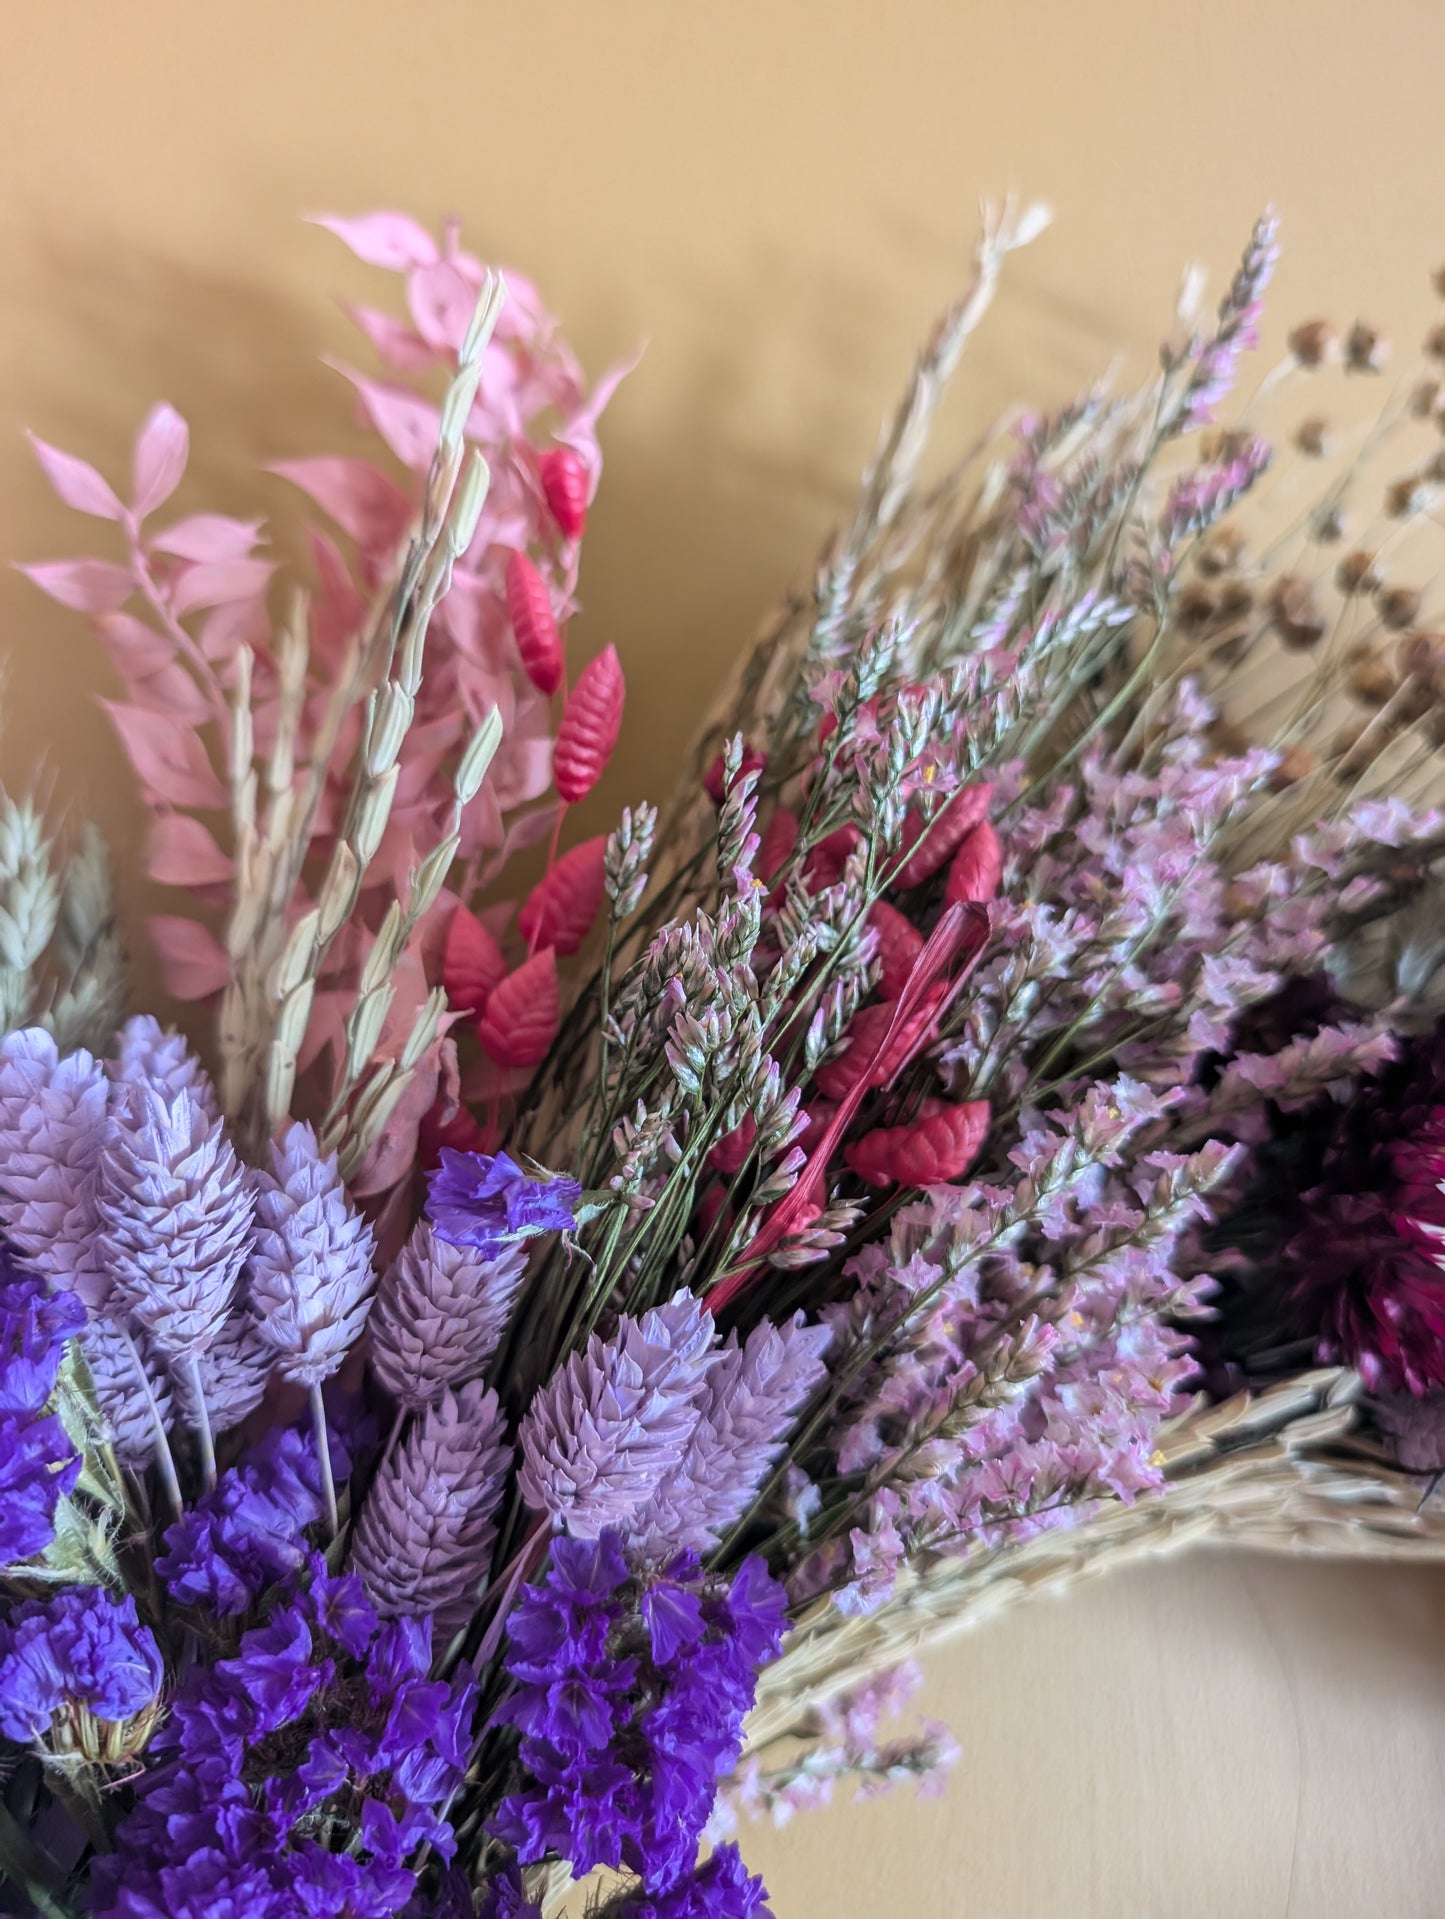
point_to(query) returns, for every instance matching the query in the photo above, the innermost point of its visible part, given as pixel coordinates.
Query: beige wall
(777, 195)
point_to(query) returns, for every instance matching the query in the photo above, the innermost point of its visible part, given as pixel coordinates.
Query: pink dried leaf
(136, 649)
(945, 833)
(76, 482)
(408, 425)
(169, 689)
(977, 867)
(180, 852)
(193, 961)
(938, 1146)
(210, 537)
(368, 507)
(395, 342)
(899, 944)
(231, 625)
(567, 487)
(87, 586)
(534, 624)
(473, 964)
(219, 583)
(442, 302)
(169, 761)
(391, 240)
(161, 451)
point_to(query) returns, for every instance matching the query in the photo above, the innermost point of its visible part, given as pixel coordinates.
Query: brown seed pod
(1356, 574)
(1366, 349)
(1327, 527)
(1399, 607)
(1407, 496)
(1422, 657)
(1353, 751)
(1425, 399)
(1435, 343)
(1370, 678)
(1196, 607)
(1313, 342)
(1294, 615)
(1221, 552)
(1312, 436)
(1295, 764)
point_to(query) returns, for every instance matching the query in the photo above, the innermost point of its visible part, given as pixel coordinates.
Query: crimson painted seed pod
(472, 962)
(977, 868)
(938, 1146)
(899, 944)
(521, 1017)
(953, 821)
(591, 721)
(560, 909)
(715, 779)
(730, 1154)
(564, 482)
(830, 856)
(835, 1078)
(529, 606)
(780, 836)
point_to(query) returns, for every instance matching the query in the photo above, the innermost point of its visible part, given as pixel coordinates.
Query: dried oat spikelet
(88, 1004)
(29, 906)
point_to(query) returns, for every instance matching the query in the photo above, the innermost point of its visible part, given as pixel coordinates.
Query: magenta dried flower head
(616, 1418)
(749, 1404)
(176, 1218)
(440, 1311)
(424, 1541)
(311, 1277)
(53, 1124)
(147, 1055)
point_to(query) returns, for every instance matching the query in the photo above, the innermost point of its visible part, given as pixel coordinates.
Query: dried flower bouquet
(494, 1422)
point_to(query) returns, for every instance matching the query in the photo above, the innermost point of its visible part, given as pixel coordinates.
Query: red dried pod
(867, 721)
(472, 962)
(977, 868)
(952, 823)
(565, 483)
(560, 909)
(591, 721)
(730, 1154)
(938, 1146)
(899, 944)
(462, 1133)
(715, 778)
(780, 836)
(539, 642)
(830, 856)
(710, 1207)
(835, 1078)
(522, 1015)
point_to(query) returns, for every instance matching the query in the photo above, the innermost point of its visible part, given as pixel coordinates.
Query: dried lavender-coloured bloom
(129, 1426)
(616, 1418)
(424, 1540)
(234, 1372)
(52, 1127)
(176, 1218)
(752, 1397)
(439, 1312)
(147, 1055)
(311, 1277)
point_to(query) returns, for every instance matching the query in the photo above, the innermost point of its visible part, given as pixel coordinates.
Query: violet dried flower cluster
(392, 1525)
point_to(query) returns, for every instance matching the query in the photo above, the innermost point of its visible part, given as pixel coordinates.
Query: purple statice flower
(53, 1124)
(483, 1201)
(128, 1378)
(38, 1467)
(325, 1718)
(440, 1311)
(311, 1277)
(748, 1406)
(423, 1544)
(722, 1888)
(616, 1418)
(84, 1651)
(147, 1055)
(176, 1218)
(249, 1532)
(506, 1897)
(630, 1698)
(34, 1326)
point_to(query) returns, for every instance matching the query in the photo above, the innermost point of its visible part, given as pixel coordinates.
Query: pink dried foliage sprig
(185, 598)
(590, 724)
(522, 1013)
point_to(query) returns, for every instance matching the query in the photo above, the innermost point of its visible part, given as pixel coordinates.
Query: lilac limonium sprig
(423, 1544)
(617, 1418)
(176, 1226)
(311, 1275)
